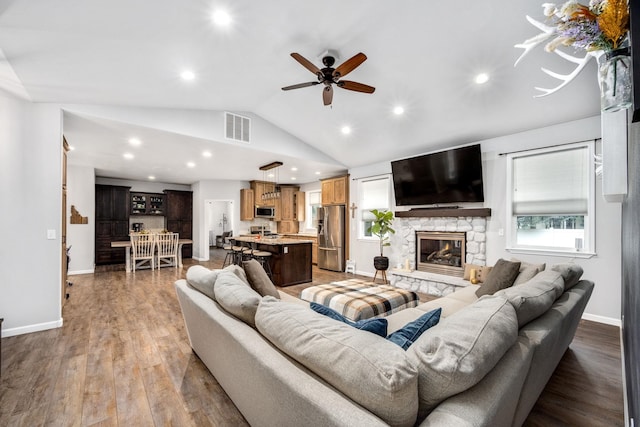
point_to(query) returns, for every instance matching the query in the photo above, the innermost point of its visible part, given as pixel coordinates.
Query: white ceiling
(422, 55)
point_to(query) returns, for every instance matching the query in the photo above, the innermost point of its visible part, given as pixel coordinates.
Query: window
(551, 200)
(373, 194)
(314, 201)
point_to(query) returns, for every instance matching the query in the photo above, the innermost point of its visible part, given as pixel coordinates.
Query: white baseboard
(31, 328)
(602, 319)
(199, 259)
(365, 273)
(76, 272)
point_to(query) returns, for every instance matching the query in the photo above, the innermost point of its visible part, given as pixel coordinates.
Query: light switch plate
(51, 234)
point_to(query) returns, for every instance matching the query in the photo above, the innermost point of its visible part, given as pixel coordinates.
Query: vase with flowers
(601, 29)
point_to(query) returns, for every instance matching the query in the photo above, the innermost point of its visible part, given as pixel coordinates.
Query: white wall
(31, 187)
(81, 237)
(604, 269)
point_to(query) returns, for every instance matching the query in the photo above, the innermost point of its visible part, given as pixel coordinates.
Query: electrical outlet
(286, 249)
(51, 234)
(501, 232)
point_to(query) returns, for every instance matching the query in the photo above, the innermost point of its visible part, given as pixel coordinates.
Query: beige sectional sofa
(484, 364)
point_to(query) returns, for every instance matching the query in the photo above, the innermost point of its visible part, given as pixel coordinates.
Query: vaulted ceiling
(422, 55)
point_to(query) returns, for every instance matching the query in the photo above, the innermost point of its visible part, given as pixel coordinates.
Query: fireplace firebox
(440, 252)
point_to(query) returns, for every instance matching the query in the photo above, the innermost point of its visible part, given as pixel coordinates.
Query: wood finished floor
(122, 358)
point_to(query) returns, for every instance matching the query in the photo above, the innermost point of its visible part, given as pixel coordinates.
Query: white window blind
(314, 197)
(375, 195)
(555, 183)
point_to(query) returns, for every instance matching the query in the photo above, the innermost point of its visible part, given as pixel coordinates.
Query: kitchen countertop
(271, 241)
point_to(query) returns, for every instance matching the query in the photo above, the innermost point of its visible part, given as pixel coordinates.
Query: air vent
(237, 127)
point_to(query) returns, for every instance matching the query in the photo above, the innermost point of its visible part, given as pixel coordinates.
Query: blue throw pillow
(377, 326)
(410, 332)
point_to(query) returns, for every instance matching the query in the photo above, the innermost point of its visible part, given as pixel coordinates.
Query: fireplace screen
(442, 253)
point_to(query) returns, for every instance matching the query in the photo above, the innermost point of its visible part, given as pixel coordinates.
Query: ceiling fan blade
(358, 87)
(305, 63)
(300, 85)
(349, 65)
(327, 95)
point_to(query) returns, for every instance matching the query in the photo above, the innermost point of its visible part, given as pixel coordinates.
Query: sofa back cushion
(527, 271)
(571, 273)
(532, 299)
(236, 297)
(202, 279)
(458, 352)
(368, 369)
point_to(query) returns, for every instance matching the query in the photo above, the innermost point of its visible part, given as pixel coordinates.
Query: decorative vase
(381, 263)
(614, 78)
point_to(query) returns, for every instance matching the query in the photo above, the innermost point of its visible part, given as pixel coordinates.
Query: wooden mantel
(444, 212)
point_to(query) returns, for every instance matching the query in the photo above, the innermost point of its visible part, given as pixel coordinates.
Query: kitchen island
(290, 261)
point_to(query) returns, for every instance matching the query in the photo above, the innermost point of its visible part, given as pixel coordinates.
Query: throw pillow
(527, 271)
(202, 279)
(406, 335)
(259, 279)
(376, 326)
(501, 276)
(238, 271)
(368, 369)
(482, 271)
(236, 297)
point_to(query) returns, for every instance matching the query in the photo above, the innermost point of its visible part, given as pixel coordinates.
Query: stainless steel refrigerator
(331, 232)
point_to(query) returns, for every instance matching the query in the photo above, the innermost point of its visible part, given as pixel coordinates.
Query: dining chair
(143, 250)
(167, 244)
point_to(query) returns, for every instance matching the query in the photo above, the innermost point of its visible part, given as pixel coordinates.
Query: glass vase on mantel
(614, 78)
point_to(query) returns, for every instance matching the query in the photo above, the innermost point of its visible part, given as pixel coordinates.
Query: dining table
(127, 245)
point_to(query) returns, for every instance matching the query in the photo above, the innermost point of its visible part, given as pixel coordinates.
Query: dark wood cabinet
(147, 204)
(112, 222)
(179, 216)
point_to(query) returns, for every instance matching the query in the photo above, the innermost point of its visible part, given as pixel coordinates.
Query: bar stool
(263, 258)
(230, 256)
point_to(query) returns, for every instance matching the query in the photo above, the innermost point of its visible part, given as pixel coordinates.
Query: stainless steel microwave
(265, 212)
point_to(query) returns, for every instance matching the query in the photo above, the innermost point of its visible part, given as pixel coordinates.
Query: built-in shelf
(444, 212)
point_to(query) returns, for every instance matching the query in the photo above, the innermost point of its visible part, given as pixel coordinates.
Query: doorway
(219, 216)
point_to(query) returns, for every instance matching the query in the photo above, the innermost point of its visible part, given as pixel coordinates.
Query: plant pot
(614, 78)
(381, 263)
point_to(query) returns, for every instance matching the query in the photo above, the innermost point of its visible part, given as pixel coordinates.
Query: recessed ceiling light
(151, 177)
(191, 165)
(221, 18)
(481, 78)
(128, 156)
(187, 75)
(346, 130)
(398, 110)
(135, 142)
(317, 173)
(294, 169)
(206, 154)
(293, 178)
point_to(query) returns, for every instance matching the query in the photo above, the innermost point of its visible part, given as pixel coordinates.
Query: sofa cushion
(501, 276)
(236, 297)
(368, 369)
(448, 305)
(458, 352)
(571, 273)
(259, 279)
(532, 299)
(202, 279)
(527, 271)
(375, 326)
(410, 332)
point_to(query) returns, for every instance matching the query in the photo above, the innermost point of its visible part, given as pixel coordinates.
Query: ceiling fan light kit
(328, 76)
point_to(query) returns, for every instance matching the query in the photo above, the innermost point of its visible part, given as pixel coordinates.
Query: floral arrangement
(603, 25)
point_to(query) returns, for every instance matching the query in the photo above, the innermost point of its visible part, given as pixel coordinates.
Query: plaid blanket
(357, 299)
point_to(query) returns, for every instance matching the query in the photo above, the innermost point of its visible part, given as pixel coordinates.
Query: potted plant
(381, 227)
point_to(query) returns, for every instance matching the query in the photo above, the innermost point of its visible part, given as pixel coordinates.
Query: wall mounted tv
(445, 177)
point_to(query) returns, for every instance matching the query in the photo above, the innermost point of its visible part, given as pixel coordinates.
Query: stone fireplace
(463, 229)
(441, 252)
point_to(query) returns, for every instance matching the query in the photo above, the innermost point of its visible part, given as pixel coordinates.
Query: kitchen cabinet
(147, 204)
(260, 191)
(285, 203)
(112, 222)
(300, 207)
(335, 191)
(247, 206)
(314, 244)
(179, 216)
(287, 227)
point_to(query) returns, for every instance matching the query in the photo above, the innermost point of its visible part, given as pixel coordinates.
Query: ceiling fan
(330, 76)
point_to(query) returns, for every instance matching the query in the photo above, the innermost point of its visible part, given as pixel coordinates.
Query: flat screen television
(445, 177)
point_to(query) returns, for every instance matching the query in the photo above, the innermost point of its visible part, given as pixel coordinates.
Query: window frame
(589, 244)
(360, 211)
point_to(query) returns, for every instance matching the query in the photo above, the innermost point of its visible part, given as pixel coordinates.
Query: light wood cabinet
(287, 203)
(335, 191)
(286, 227)
(247, 209)
(300, 207)
(261, 188)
